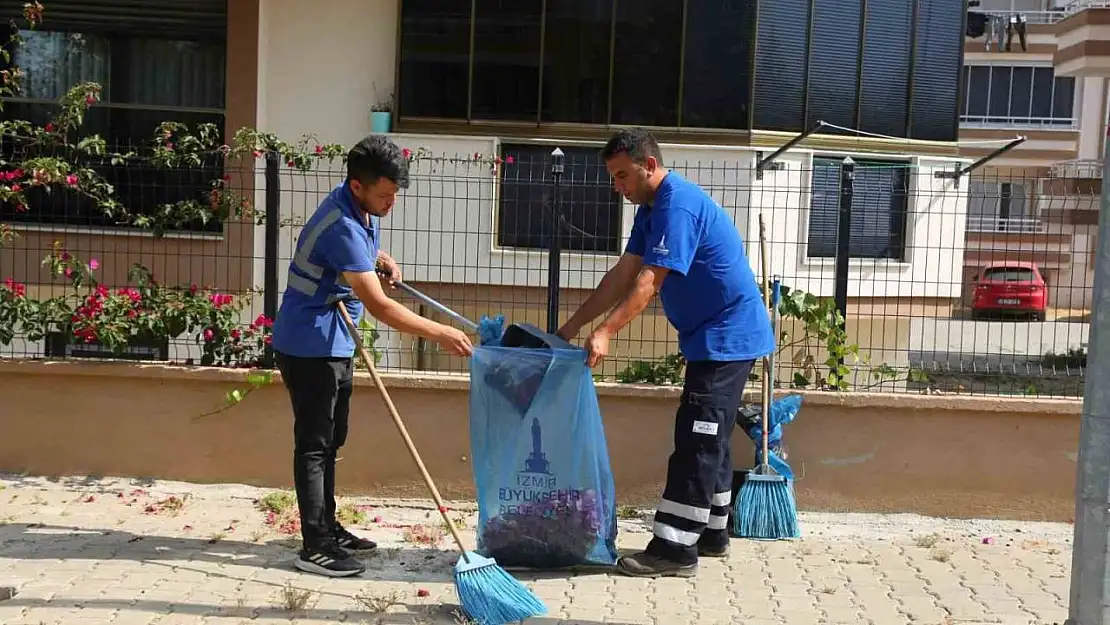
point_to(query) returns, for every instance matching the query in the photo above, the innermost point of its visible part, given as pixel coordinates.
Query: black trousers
(320, 390)
(698, 494)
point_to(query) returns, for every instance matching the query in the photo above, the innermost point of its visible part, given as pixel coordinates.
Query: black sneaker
(330, 562)
(350, 542)
(646, 565)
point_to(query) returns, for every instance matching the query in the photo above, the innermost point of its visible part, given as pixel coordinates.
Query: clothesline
(880, 136)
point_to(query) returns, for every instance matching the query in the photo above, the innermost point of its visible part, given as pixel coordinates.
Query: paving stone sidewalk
(127, 552)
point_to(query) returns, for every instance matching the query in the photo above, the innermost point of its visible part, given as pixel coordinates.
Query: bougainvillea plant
(144, 310)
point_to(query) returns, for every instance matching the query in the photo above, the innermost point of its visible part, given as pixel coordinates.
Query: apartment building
(1039, 69)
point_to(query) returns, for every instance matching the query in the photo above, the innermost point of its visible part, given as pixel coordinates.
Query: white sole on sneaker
(310, 567)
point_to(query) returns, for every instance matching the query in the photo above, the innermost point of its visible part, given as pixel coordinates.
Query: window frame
(618, 205)
(216, 229)
(906, 247)
(469, 124)
(989, 121)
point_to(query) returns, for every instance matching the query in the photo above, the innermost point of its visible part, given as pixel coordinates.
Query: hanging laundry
(996, 30)
(1016, 23)
(976, 24)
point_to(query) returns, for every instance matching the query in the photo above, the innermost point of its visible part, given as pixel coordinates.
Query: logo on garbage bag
(537, 461)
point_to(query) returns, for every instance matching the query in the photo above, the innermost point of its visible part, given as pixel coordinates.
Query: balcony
(998, 225)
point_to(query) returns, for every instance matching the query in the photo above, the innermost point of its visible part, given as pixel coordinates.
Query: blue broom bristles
(490, 596)
(765, 508)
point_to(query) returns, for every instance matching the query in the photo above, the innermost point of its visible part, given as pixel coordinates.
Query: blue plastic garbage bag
(546, 495)
(783, 411)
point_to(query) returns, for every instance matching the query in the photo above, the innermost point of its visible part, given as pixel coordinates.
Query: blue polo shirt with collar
(710, 294)
(335, 239)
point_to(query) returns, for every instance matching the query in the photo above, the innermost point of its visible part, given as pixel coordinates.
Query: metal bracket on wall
(958, 171)
(769, 162)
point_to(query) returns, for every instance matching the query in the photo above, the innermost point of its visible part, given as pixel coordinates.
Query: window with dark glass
(589, 206)
(576, 54)
(646, 62)
(1017, 96)
(879, 208)
(717, 73)
(882, 67)
(146, 79)
(434, 58)
(885, 73)
(506, 59)
(938, 48)
(780, 64)
(834, 62)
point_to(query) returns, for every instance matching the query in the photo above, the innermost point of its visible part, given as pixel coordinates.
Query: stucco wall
(937, 455)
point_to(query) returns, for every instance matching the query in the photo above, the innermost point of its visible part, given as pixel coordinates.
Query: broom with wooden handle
(488, 594)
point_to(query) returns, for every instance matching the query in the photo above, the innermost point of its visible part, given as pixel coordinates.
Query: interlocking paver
(109, 551)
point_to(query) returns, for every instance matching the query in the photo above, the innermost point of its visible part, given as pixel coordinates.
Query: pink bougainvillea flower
(423, 592)
(406, 153)
(257, 153)
(319, 149)
(50, 127)
(94, 264)
(208, 334)
(509, 160)
(71, 180)
(16, 188)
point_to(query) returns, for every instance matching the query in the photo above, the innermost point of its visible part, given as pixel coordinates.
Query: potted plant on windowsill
(381, 115)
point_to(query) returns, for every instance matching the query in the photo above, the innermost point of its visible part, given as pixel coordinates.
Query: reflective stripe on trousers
(696, 500)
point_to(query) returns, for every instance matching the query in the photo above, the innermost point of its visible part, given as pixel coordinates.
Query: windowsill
(873, 263)
(113, 232)
(1072, 127)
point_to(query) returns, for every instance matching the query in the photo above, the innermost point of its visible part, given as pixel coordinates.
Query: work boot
(713, 551)
(644, 564)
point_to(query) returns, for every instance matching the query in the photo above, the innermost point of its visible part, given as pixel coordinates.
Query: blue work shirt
(710, 294)
(334, 240)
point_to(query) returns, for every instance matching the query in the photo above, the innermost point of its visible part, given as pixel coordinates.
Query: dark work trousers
(320, 390)
(698, 494)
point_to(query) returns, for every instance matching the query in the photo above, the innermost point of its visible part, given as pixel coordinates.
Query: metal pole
(844, 238)
(272, 237)
(554, 244)
(1089, 603)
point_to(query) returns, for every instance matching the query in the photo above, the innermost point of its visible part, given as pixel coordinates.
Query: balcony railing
(1077, 168)
(1003, 121)
(1052, 16)
(989, 224)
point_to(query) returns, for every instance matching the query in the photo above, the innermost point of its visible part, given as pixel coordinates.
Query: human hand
(597, 347)
(389, 269)
(454, 341)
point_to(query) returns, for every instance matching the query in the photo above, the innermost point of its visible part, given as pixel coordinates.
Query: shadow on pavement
(433, 614)
(37, 541)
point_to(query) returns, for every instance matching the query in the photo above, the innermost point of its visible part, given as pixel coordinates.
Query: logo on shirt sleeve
(661, 247)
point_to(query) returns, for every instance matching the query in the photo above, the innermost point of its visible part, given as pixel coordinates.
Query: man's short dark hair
(638, 143)
(377, 157)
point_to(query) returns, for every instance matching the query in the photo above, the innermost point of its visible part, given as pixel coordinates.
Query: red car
(1010, 287)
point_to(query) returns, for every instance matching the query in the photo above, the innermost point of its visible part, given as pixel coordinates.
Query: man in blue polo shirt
(335, 260)
(685, 247)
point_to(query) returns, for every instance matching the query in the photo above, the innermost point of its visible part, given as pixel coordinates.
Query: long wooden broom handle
(401, 428)
(766, 380)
